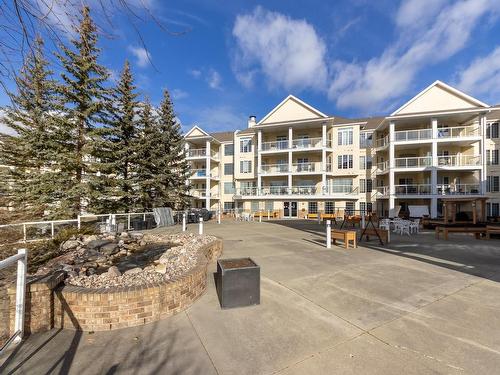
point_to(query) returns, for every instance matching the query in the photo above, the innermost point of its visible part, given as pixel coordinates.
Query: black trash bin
(238, 282)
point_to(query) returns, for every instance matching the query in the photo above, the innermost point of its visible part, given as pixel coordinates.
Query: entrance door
(290, 209)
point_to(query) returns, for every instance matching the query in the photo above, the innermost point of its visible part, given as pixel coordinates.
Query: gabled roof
(439, 97)
(196, 131)
(223, 136)
(291, 108)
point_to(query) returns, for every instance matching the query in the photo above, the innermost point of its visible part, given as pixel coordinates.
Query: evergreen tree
(115, 149)
(147, 154)
(30, 149)
(83, 109)
(173, 167)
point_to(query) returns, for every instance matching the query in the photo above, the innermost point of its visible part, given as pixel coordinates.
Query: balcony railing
(198, 173)
(382, 190)
(381, 142)
(458, 189)
(458, 132)
(339, 189)
(413, 162)
(274, 168)
(383, 166)
(198, 193)
(201, 152)
(307, 142)
(459, 160)
(275, 146)
(420, 189)
(306, 167)
(412, 135)
(297, 190)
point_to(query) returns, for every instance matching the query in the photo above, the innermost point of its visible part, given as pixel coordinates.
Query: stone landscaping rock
(136, 235)
(161, 268)
(109, 249)
(70, 244)
(87, 239)
(114, 271)
(124, 235)
(96, 244)
(133, 271)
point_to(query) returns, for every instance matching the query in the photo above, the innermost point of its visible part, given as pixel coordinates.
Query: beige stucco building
(297, 160)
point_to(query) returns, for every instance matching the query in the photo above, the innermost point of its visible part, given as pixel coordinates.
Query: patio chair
(415, 226)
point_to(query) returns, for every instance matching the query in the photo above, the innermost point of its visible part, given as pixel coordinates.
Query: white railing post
(52, 229)
(268, 214)
(200, 226)
(218, 216)
(183, 221)
(328, 234)
(363, 220)
(24, 232)
(20, 294)
(79, 222)
(128, 221)
(260, 217)
(319, 217)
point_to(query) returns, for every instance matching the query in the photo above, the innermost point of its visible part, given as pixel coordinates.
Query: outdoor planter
(238, 282)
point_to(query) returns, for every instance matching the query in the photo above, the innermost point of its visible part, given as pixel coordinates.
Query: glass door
(294, 209)
(286, 209)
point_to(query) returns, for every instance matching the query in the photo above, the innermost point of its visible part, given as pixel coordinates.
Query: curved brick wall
(113, 308)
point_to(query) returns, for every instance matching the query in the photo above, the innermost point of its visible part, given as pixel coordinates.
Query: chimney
(251, 121)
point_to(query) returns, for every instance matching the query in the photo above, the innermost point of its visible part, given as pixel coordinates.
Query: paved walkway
(419, 307)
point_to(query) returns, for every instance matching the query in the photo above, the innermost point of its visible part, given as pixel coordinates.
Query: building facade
(297, 160)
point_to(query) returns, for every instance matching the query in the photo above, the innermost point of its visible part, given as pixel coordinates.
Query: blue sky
(349, 58)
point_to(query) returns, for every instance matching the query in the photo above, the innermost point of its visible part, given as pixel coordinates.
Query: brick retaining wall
(72, 307)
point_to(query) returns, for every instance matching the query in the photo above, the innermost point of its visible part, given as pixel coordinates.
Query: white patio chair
(385, 224)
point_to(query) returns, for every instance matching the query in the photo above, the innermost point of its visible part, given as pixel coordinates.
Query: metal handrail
(417, 189)
(458, 189)
(274, 145)
(457, 131)
(412, 135)
(413, 162)
(307, 142)
(459, 160)
(306, 167)
(274, 168)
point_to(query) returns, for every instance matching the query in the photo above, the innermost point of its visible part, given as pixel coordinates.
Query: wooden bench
(383, 233)
(492, 229)
(327, 216)
(446, 230)
(344, 235)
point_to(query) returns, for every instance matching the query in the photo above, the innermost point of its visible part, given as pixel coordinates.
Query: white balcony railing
(297, 190)
(198, 193)
(339, 189)
(274, 168)
(306, 167)
(200, 172)
(459, 160)
(383, 166)
(307, 142)
(201, 152)
(382, 190)
(458, 189)
(275, 146)
(412, 135)
(420, 189)
(458, 132)
(381, 142)
(413, 162)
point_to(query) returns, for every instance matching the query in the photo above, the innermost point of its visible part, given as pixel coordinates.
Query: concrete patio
(420, 306)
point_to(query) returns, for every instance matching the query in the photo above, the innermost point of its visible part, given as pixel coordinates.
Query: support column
(392, 200)
(290, 158)
(207, 177)
(186, 150)
(259, 160)
(483, 172)
(323, 158)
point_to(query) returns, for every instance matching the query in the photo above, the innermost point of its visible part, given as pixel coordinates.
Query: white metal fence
(21, 258)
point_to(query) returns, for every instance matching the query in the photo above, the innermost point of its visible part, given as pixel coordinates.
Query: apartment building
(298, 160)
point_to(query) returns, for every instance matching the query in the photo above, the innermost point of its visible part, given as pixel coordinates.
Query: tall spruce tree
(83, 109)
(116, 143)
(30, 149)
(147, 154)
(174, 167)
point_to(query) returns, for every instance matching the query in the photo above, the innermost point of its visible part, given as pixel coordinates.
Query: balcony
(275, 146)
(305, 143)
(310, 167)
(199, 153)
(413, 162)
(381, 142)
(274, 168)
(382, 190)
(202, 174)
(459, 161)
(382, 167)
(311, 190)
(339, 189)
(202, 194)
(413, 135)
(420, 189)
(459, 189)
(458, 132)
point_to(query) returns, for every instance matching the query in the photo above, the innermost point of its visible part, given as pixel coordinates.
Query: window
(255, 206)
(365, 207)
(269, 205)
(312, 208)
(329, 207)
(229, 149)
(246, 145)
(281, 142)
(342, 185)
(492, 157)
(228, 188)
(349, 208)
(247, 187)
(365, 139)
(228, 169)
(365, 186)
(365, 162)
(344, 162)
(228, 206)
(245, 166)
(493, 209)
(492, 130)
(344, 136)
(493, 184)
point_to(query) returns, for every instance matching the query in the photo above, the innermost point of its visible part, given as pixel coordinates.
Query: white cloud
(374, 84)
(482, 76)
(143, 57)
(219, 118)
(288, 52)
(196, 73)
(214, 79)
(179, 94)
